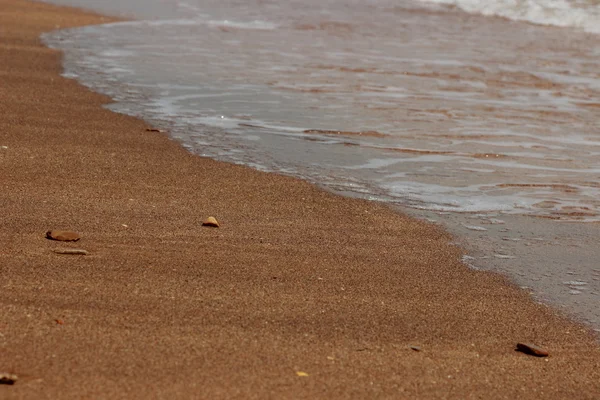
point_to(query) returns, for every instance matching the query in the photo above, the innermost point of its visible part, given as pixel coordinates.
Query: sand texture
(298, 294)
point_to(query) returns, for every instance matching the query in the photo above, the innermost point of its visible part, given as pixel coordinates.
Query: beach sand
(299, 294)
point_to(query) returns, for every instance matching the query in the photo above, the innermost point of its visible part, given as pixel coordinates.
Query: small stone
(7, 379)
(63, 236)
(415, 348)
(78, 252)
(532, 350)
(211, 221)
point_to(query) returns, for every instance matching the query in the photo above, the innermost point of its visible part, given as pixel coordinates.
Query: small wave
(256, 24)
(561, 13)
(347, 133)
(199, 20)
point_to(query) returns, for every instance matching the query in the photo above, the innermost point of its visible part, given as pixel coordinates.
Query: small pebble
(63, 236)
(532, 350)
(7, 379)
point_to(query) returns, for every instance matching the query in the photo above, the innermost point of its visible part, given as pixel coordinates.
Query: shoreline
(295, 280)
(554, 261)
(525, 248)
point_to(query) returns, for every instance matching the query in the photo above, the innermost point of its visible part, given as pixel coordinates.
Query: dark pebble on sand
(532, 350)
(63, 236)
(7, 379)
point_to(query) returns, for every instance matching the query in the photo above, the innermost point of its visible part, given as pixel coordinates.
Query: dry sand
(295, 279)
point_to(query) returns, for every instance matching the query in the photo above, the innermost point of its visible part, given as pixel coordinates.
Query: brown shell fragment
(211, 221)
(532, 350)
(63, 236)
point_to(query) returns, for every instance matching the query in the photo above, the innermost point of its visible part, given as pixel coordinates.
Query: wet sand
(295, 282)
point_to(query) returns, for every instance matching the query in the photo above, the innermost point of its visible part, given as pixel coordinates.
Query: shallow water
(438, 109)
(413, 103)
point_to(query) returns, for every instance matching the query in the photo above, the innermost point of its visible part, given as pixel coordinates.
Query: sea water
(481, 115)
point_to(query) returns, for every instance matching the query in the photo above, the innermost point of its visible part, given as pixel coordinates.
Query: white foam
(575, 283)
(374, 164)
(475, 228)
(199, 19)
(545, 12)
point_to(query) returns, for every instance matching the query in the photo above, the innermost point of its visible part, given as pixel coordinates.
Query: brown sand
(295, 279)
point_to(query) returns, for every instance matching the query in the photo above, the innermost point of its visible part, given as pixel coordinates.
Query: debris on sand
(63, 236)
(532, 350)
(78, 252)
(211, 221)
(7, 379)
